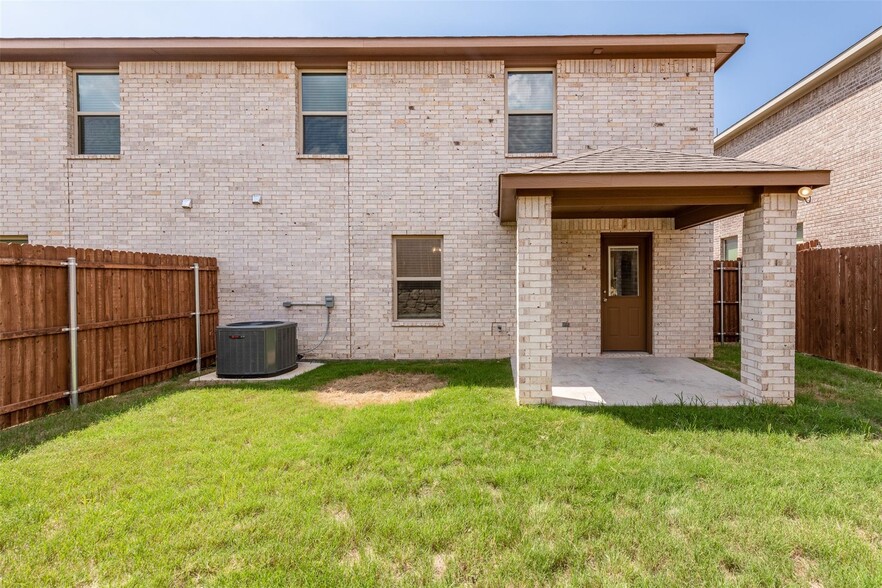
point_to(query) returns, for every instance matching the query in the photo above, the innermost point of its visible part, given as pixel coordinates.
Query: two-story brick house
(460, 197)
(831, 119)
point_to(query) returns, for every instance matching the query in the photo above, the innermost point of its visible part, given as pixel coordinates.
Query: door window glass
(624, 271)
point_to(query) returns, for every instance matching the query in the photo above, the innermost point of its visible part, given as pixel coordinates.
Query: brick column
(768, 302)
(533, 384)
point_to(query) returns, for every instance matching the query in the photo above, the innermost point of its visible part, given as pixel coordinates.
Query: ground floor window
(417, 270)
(19, 239)
(729, 249)
(800, 236)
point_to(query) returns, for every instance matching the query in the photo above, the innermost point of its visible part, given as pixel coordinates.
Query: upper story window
(530, 102)
(323, 113)
(97, 107)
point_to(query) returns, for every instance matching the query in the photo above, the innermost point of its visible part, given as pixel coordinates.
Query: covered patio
(635, 380)
(628, 268)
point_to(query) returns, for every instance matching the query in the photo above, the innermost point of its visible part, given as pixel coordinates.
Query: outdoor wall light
(805, 194)
(256, 199)
(187, 203)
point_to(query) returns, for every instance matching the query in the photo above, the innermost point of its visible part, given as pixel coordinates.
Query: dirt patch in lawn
(379, 388)
(826, 393)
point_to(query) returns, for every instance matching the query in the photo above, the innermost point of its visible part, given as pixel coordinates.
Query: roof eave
(105, 51)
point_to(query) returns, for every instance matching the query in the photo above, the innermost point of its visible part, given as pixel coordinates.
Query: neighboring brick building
(388, 174)
(831, 119)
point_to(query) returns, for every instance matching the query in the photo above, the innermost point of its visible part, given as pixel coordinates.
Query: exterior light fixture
(597, 51)
(256, 199)
(805, 194)
(187, 203)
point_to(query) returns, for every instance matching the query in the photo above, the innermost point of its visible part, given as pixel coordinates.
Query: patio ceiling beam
(577, 214)
(663, 198)
(699, 215)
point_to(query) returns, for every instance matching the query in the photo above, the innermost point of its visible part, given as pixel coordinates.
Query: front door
(625, 292)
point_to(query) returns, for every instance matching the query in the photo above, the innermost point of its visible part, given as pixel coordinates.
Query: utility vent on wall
(256, 349)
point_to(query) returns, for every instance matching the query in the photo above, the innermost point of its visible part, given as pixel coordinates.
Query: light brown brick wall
(33, 148)
(837, 126)
(681, 284)
(426, 144)
(663, 104)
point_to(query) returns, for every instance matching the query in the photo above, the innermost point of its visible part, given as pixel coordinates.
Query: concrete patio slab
(302, 368)
(640, 381)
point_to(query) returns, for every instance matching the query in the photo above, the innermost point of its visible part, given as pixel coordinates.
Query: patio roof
(623, 182)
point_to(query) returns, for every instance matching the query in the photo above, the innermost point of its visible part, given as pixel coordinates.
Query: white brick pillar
(533, 384)
(768, 302)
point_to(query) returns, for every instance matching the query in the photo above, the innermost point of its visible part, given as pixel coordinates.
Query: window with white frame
(729, 249)
(323, 113)
(530, 103)
(97, 113)
(417, 265)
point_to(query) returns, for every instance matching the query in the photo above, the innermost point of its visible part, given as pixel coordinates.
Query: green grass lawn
(262, 485)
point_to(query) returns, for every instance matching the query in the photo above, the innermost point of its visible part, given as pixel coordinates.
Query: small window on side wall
(729, 249)
(97, 110)
(323, 113)
(417, 264)
(530, 102)
(800, 234)
(15, 239)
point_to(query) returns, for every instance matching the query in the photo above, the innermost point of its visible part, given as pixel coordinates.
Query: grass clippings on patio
(261, 484)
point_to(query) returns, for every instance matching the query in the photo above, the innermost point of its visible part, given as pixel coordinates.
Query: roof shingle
(633, 160)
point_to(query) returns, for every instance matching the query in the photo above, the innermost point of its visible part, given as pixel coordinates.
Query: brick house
(830, 119)
(459, 197)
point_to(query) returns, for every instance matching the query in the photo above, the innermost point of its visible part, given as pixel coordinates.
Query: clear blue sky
(787, 39)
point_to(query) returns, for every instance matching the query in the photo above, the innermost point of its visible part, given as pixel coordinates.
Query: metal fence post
(738, 286)
(72, 330)
(722, 301)
(197, 315)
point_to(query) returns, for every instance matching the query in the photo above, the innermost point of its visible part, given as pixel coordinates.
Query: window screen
(418, 277)
(530, 100)
(323, 103)
(98, 113)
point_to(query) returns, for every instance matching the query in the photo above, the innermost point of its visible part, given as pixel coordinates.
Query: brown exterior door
(625, 292)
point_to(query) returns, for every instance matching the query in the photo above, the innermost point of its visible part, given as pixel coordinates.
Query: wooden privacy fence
(727, 301)
(132, 321)
(839, 304)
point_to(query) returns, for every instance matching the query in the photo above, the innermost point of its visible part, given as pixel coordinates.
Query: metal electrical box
(255, 349)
